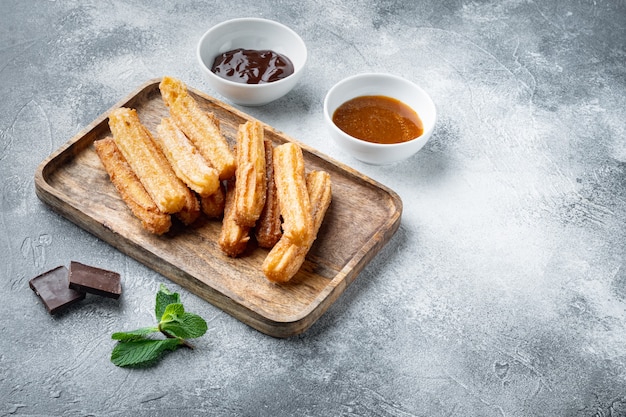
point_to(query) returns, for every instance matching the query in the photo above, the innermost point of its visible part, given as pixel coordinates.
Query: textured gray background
(503, 292)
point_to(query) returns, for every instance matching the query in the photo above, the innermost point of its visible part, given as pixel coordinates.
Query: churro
(213, 205)
(137, 146)
(283, 261)
(183, 156)
(191, 210)
(318, 185)
(293, 198)
(233, 237)
(199, 127)
(130, 188)
(286, 258)
(250, 173)
(268, 227)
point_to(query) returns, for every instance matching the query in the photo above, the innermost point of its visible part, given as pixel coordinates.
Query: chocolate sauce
(249, 66)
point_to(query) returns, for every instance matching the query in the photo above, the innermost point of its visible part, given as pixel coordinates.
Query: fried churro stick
(130, 189)
(295, 206)
(233, 237)
(188, 164)
(213, 205)
(286, 258)
(284, 261)
(251, 182)
(199, 127)
(268, 227)
(147, 161)
(318, 185)
(191, 210)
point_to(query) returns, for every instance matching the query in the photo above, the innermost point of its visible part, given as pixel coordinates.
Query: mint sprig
(136, 348)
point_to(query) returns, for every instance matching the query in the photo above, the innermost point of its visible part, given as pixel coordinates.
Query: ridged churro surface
(130, 188)
(286, 257)
(213, 205)
(233, 237)
(147, 161)
(191, 210)
(251, 181)
(293, 198)
(188, 164)
(268, 227)
(189, 169)
(199, 127)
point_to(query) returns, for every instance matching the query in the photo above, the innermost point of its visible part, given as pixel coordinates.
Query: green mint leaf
(134, 334)
(164, 298)
(142, 352)
(195, 325)
(185, 326)
(135, 349)
(172, 311)
(171, 320)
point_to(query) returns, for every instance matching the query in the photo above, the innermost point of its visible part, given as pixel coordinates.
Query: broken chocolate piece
(53, 289)
(95, 280)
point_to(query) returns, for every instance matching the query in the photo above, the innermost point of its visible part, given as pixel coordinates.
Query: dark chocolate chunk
(95, 280)
(53, 289)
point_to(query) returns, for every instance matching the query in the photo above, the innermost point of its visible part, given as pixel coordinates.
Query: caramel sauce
(250, 66)
(378, 119)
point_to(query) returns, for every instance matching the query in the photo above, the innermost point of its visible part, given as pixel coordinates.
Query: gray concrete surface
(503, 292)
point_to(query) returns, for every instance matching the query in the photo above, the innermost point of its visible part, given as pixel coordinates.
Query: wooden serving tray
(362, 217)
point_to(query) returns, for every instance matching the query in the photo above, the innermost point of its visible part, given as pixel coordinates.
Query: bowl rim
(296, 73)
(425, 134)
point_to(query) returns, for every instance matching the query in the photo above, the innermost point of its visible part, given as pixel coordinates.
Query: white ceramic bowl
(384, 85)
(251, 33)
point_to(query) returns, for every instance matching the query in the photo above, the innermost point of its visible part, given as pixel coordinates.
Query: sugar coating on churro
(284, 261)
(233, 237)
(286, 257)
(191, 210)
(319, 187)
(199, 127)
(135, 142)
(268, 227)
(130, 188)
(293, 198)
(213, 205)
(188, 168)
(188, 164)
(251, 182)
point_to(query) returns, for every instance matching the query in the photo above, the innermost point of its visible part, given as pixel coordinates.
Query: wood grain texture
(362, 217)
